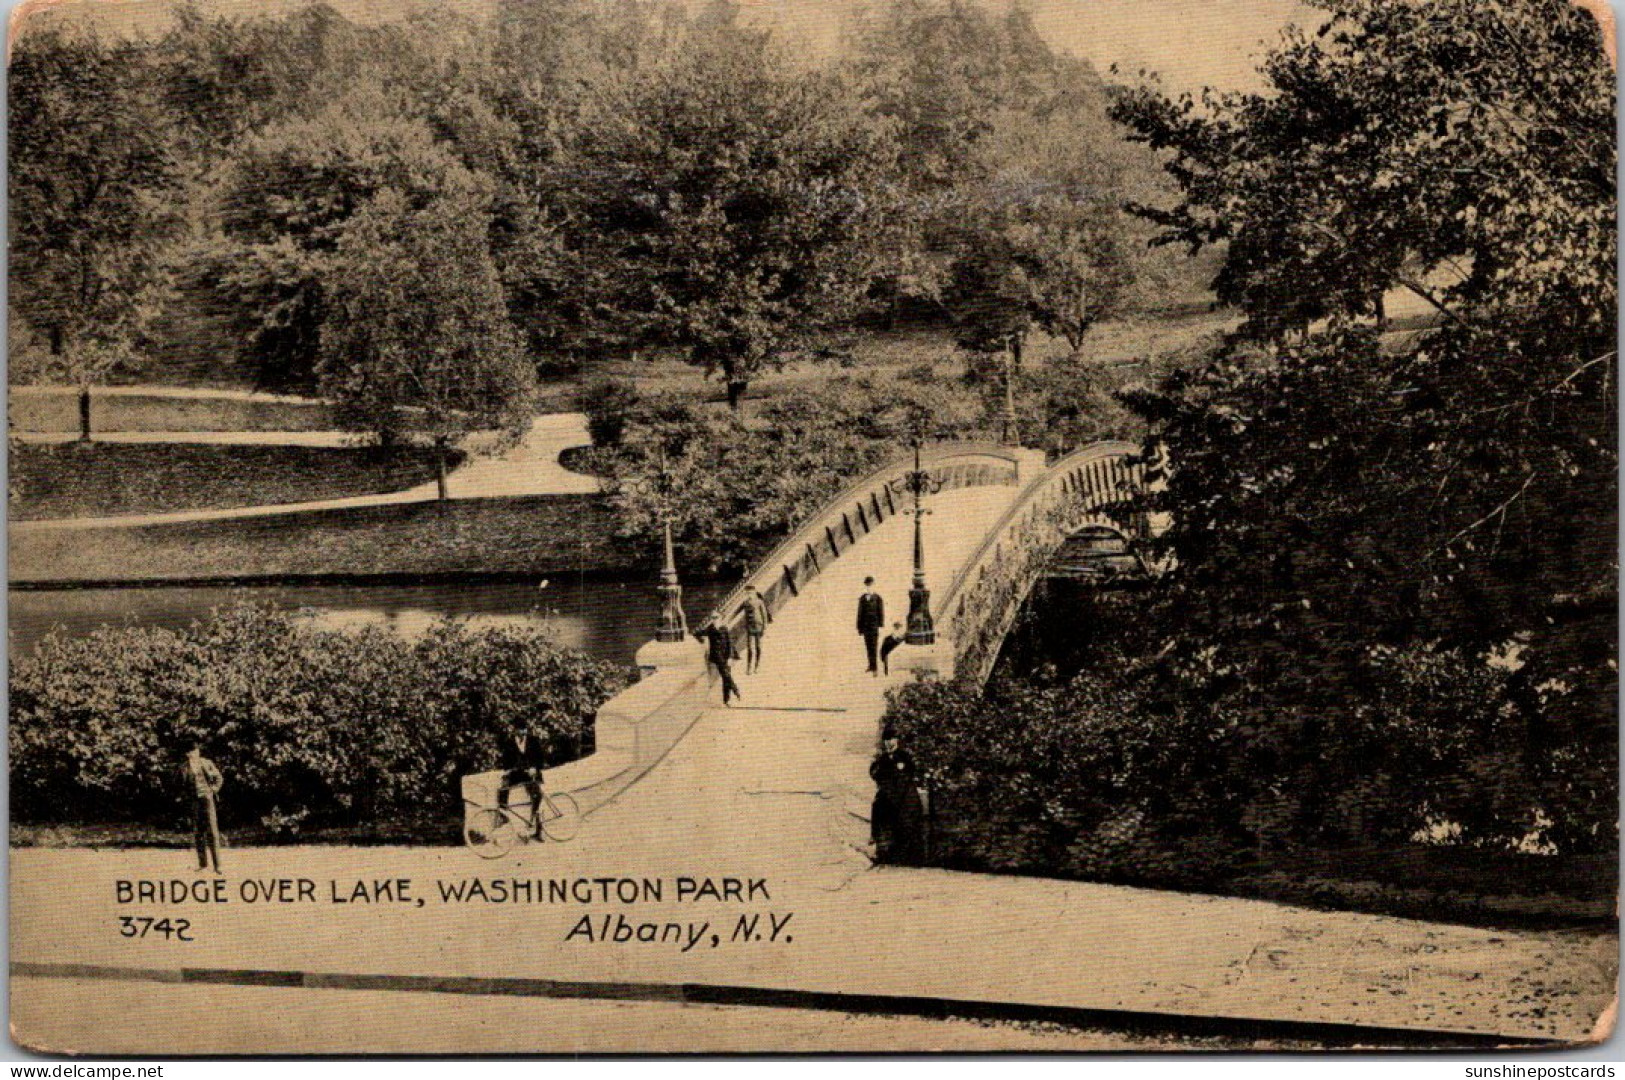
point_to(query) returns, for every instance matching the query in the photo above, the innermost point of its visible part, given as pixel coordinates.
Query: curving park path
(528, 467)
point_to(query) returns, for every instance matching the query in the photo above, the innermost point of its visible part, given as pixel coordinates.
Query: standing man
(719, 653)
(871, 617)
(206, 784)
(756, 618)
(523, 759)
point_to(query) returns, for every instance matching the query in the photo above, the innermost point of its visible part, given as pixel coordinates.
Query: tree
(1037, 244)
(221, 78)
(1399, 142)
(729, 200)
(1049, 264)
(284, 200)
(501, 97)
(733, 489)
(416, 339)
(89, 172)
(992, 126)
(1336, 492)
(948, 74)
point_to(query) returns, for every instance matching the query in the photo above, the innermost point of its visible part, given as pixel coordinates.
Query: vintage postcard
(670, 526)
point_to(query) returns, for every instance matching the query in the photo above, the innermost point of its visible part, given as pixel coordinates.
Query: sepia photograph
(654, 527)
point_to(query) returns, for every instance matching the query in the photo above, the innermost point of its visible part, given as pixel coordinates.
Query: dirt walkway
(531, 467)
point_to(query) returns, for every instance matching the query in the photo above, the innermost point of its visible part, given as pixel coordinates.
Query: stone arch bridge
(996, 517)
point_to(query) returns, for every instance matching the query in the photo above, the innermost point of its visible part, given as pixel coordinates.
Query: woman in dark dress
(897, 818)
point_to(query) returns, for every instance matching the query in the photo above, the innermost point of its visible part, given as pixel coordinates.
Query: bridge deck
(770, 779)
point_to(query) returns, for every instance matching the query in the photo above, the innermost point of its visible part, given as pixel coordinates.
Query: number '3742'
(140, 926)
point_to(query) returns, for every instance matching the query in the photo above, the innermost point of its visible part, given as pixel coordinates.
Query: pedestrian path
(196, 438)
(529, 467)
(767, 805)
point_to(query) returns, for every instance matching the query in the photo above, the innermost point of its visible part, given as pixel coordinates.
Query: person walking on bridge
(871, 620)
(754, 609)
(719, 653)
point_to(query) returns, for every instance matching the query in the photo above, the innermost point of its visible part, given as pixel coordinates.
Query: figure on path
(889, 646)
(756, 619)
(719, 653)
(206, 784)
(871, 618)
(524, 756)
(897, 817)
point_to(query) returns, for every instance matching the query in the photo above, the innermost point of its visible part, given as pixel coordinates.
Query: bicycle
(493, 831)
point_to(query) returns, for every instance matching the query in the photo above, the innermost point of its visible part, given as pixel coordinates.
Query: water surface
(608, 619)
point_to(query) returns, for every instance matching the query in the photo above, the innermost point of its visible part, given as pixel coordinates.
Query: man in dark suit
(871, 618)
(523, 758)
(206, 784)
(719, 653)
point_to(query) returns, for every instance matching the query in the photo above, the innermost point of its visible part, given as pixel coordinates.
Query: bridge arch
(1076, 492)
(638, 727)
(842, 521)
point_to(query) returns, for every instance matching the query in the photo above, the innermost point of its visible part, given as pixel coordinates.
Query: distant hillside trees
(657, 180)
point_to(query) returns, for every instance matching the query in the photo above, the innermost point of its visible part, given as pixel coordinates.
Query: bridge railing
(977, 609)
(842, 521)
(636, 728)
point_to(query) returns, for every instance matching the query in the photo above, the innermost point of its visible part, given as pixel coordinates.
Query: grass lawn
(519, 536)
(1125, 343)
(98, 479)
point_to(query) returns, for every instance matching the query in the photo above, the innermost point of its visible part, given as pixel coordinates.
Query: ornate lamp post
(921, 630)
(1009, 430)
(673, 625)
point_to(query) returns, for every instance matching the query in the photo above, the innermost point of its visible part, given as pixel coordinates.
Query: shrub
(738, 487)
(1132, 773)
(311, 727)
(609, 405)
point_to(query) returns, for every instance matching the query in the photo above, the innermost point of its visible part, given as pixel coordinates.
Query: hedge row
(1116, 776)
(311, 727)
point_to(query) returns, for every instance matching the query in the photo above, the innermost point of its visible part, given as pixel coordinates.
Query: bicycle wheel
(561, 817)
(491, 833)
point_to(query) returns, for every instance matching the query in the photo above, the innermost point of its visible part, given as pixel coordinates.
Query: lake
(608, 619)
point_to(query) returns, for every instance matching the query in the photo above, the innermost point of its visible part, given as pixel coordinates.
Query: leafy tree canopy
(416, 336)
(282, 205)
(1344, 491)
(90, 187)
(734, 200)
(1400, 141)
